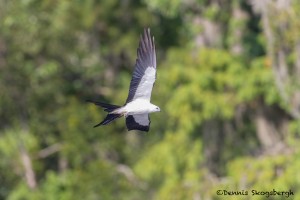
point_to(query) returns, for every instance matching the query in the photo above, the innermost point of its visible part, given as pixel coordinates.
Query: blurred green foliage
(224, 122)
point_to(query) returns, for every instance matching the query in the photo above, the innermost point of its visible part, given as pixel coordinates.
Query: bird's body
(137, 107)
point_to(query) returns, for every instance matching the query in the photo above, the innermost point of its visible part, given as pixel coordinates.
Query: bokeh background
(227, 84)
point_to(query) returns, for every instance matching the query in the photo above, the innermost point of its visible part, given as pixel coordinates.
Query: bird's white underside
(139, 109)
(139, 106)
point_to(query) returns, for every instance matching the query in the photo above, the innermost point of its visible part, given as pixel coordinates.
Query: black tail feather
(109, 118)
(108, 108)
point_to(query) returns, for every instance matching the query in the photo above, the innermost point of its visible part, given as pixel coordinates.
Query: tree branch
(49, 150)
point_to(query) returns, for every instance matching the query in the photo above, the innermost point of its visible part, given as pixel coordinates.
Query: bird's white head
(154, 108)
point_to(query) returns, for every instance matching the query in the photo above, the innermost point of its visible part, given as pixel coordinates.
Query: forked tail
(108, 108)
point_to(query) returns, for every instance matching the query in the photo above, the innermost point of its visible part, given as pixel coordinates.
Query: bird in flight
(137, 107)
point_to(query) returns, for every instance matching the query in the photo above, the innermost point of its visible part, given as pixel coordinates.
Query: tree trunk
(28, 170)
(212, 135)
(271, 127)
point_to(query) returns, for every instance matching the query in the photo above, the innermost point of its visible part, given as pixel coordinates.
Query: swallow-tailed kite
(137, 107)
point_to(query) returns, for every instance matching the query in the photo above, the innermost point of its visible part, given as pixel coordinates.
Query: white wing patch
(145, 86)
(141, 119)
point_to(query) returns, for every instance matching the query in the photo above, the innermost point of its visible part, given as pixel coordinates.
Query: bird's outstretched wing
(144, 73)
(138, 122)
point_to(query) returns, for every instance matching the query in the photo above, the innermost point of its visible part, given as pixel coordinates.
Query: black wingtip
(148, 32)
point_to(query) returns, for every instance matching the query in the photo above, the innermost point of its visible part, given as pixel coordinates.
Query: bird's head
(157, 109)
(154, 108)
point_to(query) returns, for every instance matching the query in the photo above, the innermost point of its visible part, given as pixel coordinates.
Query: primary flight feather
(137, 107)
